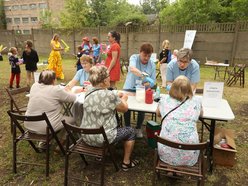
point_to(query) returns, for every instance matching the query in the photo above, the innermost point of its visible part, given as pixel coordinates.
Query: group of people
(29, 57)
(100, 104)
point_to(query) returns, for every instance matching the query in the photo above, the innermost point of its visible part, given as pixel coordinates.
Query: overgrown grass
(142, 175)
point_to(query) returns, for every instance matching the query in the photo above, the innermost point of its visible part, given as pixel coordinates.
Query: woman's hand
(124, 97)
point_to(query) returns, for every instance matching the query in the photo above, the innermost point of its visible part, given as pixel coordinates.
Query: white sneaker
(139, 133)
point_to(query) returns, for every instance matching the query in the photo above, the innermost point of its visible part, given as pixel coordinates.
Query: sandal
(132, 164)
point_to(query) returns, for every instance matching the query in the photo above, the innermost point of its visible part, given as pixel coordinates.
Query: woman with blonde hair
(164, 59)
(100, 106)
(180, 111)
(55, 60)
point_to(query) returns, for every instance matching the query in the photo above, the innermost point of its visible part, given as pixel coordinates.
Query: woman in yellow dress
(55, 60)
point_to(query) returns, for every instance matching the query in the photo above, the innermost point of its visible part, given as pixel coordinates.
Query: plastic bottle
(157, 92)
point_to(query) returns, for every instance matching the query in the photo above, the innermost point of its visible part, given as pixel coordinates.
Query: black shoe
(18, 86)
(10, 87)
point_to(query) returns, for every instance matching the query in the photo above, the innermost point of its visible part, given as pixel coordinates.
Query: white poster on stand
(212, 94)
(189, 38)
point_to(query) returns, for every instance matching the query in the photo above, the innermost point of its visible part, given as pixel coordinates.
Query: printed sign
(189, 38)
(212, 94)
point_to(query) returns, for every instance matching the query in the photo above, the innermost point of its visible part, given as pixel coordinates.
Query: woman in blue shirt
(96, 50)
(82, 75)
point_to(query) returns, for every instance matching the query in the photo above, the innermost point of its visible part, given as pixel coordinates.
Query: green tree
(153, 6)
(46, 19)
(204, 11)
(190, 11)
(75, 15)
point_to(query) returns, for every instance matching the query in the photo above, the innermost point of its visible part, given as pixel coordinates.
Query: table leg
(216, 71)
(211, 145)
(225, 73)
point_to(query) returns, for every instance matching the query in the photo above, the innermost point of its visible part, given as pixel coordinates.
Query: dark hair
(47, 77)
(116, 35)
(79, 47)
(29, 43)
(146, 48)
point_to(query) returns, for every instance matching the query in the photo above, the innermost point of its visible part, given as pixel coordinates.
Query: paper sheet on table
(212, 94)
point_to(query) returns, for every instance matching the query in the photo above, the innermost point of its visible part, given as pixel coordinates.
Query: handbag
(153, 128)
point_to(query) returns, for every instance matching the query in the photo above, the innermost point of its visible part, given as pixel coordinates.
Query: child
(87, 48)
(164, 58)
(15, 68)
(96, 50)
(30, 59)
(79, 54)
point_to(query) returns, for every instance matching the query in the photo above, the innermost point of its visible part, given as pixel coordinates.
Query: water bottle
(157, 92)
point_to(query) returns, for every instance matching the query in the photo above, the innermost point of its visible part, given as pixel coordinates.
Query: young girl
(164, 59)
(15, 68)
(30, 59)
(96, 50)
(79, 54)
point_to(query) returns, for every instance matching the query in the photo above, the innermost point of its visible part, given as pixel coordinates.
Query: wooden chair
(15, 105)
(195, 172)
(18, 102)
(237, 73)
(26, 135)
(80, 147)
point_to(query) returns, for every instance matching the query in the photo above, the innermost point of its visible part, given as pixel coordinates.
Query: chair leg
(113, 160)
(66, 169)
(14, 155)
(47, 160)
(102, 170)
(59, 144)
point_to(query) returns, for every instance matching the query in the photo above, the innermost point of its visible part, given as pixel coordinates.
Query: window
(17, 20)
(8, 20)
(15, 7)
(25, 20)
(18, 31)
(34, 19)
(7, 8)
(26, 31)
(32, 6)
(24, 7)
(42, 5)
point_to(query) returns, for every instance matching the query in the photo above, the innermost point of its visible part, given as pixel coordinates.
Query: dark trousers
(12, 77)
(127, 118)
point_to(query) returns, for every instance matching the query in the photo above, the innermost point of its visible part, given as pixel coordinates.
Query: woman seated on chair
(100, 106)
(82, 75)
(47, 97)
(179, 125)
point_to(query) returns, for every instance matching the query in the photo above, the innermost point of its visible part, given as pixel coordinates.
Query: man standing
(141, 70)
(183, 65)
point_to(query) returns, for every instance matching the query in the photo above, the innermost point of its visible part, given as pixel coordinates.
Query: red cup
(149, 96)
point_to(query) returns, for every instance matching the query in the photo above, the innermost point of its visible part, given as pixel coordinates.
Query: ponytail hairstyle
(117, 36)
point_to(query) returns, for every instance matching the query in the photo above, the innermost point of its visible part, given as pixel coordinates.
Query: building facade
(24, 15)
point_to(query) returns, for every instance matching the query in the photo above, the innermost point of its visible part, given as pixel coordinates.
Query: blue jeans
(127, 118)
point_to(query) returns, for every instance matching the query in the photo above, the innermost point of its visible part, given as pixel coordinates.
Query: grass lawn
(142, 175)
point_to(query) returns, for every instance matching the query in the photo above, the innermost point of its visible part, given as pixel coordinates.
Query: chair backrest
(18, 119)
(70, 129)
(14, 107)
(183, 146)
(199, 91)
